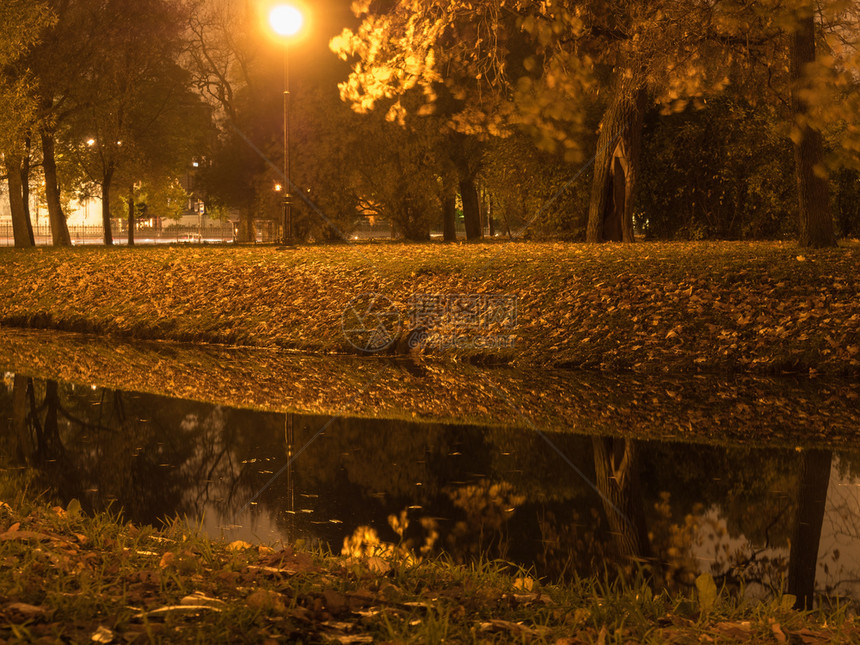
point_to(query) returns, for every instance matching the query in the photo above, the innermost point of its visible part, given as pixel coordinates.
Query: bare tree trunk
(471, 208)
(616, 167)
(811, 498)
(813, 191)
(131, 214)
(25, 186)
(449, 217)
(246, 225)
(108, 234)
(22, 229)
(616, 464)
(59, 228)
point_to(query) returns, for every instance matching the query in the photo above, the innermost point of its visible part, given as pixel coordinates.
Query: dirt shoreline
(747, 409)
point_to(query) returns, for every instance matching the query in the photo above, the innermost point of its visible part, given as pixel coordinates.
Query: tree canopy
(540, 66)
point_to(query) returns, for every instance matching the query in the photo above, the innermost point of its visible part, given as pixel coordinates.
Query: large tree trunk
(616, 464)
(108, 234)
(813, 192)
(449, 217)
(25, 187)
(246, 225)
(59, 228)
(22, 229)
(811, 498)
(616, 167)
(131, 215)
(471, 207)
(465, 153)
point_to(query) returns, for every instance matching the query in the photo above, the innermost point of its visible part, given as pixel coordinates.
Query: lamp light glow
(286, 20)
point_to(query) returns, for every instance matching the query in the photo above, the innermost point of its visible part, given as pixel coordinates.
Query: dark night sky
(327, 18)
(311, 60)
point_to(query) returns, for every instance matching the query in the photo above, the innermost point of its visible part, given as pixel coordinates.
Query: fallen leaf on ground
(809, 637)
(26, 610)
(162, 612)
(378, 566)
(778, 633)
(264, 600)
(201, 599)
(516, 629)
(734, 630)
(103, 635)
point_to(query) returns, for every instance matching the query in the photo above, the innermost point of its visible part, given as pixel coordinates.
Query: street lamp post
(286, 21)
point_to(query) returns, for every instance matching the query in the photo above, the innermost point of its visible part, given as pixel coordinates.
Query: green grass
(66, 575)
(680, 307)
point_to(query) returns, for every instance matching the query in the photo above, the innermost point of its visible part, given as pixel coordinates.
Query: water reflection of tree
(616, 466)
(813, 482)
(465, 484)
(101, 445)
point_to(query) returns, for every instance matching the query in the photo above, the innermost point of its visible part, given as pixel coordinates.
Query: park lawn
(73, 577)
(764, 307)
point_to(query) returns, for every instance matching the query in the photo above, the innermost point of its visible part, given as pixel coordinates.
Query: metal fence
(95, 235)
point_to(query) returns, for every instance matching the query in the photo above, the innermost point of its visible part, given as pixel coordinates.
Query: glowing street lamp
(286, 20)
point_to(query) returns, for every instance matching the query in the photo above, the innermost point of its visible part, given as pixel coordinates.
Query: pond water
(559, 504)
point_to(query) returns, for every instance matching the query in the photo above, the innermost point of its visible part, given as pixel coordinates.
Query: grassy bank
(67, 576)
(726, 307)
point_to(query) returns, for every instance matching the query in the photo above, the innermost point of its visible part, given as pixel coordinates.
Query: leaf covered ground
(679, 307)
(68, 577)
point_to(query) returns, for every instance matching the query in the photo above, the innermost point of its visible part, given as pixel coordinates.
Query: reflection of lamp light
(91, 142)
(278, 188)
(286, 21)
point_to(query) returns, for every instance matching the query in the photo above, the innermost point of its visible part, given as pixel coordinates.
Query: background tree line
(679, 119)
